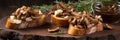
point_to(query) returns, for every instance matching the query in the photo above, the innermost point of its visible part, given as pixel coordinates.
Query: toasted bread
(76, 31)
(34, 23)
(59, 21)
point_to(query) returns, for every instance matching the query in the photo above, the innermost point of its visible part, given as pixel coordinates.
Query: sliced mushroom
(82, 19)
(93, 20)
(79, 27)
(74, 20)
(87, 21)
(54, 29)
(17, 11)
(107, 26)
(90, 25)
(19, 15)
(35, 17)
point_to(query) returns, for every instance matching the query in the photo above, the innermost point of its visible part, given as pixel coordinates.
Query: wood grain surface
(41, 32)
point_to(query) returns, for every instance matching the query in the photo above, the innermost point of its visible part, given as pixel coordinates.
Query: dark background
(28, 2)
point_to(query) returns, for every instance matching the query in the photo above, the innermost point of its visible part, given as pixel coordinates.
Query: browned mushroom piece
(54, 29)
(107, 26)
(90, 25)
(87, 21)
(74, 21)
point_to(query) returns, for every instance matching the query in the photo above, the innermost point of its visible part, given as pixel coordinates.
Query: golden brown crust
(59, 21)
(42, 20)
(75, 31)
(10, 25)
(34, 23)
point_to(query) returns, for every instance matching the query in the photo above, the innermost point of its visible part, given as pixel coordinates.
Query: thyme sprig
(80, 5)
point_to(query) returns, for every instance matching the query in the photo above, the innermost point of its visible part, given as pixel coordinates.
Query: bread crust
(76, 31)
(34, 23)
(59, 21)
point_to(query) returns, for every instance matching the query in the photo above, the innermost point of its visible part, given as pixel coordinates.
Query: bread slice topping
(26, 17)
(85, 23)
(61, 13)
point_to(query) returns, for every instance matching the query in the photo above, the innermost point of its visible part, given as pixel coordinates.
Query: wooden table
(41, 33)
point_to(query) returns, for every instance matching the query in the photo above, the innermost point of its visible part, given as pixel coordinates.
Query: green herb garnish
(80, 5)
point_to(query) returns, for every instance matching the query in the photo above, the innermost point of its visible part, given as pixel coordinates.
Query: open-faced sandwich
(86, 23)
(61, 13)
(25, 17)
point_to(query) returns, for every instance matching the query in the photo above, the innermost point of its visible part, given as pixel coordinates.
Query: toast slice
(25, 17)
(59, 21)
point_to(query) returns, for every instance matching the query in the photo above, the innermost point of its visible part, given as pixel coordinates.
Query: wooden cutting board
(42, 30)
